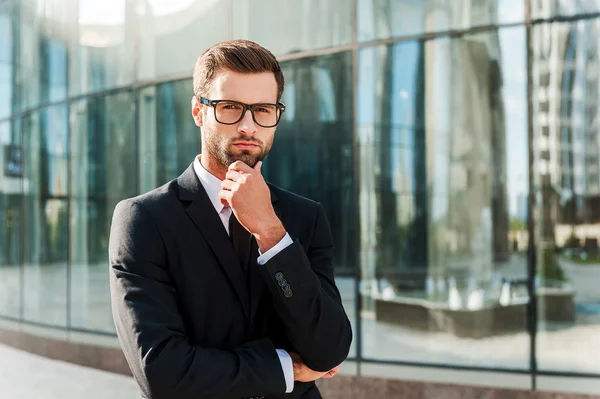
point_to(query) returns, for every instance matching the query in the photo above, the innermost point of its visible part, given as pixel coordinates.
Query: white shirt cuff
(288, 369)
(281, 245)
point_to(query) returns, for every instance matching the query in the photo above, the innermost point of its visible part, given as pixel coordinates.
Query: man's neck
(213, 166)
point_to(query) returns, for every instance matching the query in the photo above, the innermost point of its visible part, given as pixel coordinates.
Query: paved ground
(26, 376)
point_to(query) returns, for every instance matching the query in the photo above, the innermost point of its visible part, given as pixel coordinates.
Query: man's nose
(247, 125)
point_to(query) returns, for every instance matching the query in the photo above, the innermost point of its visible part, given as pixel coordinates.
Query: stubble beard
(224, 154)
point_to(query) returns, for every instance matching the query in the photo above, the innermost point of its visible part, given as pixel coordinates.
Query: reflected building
(434, 148)
(469, 199)
(565, 80)
(521, 214)
(394, 173)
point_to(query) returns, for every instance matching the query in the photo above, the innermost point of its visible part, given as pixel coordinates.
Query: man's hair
(241, 56)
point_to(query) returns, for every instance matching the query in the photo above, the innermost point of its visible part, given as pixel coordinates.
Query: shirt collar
(211, 184)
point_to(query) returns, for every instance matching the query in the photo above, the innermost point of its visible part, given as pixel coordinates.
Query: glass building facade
(455, 146)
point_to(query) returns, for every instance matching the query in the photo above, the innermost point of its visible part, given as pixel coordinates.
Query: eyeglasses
(230, 112)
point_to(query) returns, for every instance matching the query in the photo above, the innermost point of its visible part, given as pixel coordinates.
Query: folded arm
(151, 331)
(307, 300)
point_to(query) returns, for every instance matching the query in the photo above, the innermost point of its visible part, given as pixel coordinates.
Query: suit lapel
(206, 219)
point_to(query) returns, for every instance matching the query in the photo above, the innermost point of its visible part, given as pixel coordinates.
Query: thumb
(258, 166)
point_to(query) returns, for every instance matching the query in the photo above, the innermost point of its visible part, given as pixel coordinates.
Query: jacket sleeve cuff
(288, 369)
(285, 242)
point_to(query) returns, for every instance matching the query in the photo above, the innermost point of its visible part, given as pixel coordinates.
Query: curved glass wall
(453, 145)
(441, 157)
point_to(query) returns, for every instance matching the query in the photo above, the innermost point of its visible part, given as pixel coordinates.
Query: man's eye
(262, 109)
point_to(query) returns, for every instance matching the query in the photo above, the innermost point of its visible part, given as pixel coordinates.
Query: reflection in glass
(566, 93)
(54, 154)
(173, 34)
(102, 46)
(289, 27)
(53, 16)
(384, 19)
(169, 139)
(313, 152)
(7, 62)
(103, 171)
(41, 52)
(435, 203)
(45, 217)
(10, 219)
(551, 8)
(28, 86)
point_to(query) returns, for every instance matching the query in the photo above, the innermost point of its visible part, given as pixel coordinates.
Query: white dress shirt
(212, 185)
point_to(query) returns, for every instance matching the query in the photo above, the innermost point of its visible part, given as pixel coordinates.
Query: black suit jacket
(192, 325)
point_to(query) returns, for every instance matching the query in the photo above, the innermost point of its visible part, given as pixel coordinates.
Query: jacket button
(278, 276)
(288, 294)
(282, 282)
(285, 287)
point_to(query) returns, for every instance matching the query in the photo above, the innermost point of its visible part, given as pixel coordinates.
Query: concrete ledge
(420, 314)
(556, 305)
(464, 323)
(346, 387)
(69, 350)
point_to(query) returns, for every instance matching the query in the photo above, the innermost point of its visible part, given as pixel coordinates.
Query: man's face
(244, 141)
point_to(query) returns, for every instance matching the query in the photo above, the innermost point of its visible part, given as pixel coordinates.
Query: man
(223, 286)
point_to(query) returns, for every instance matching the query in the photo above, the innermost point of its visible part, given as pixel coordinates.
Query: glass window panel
(313, 152)
(53, 49)
(172, 34)
(54, 151)
(7, 60)
(11, 194)
(383, 19)
(169, 138)
(102, 45)
(42, 52)
(6, 31)
(103, 171)
(45, 218)
(6, 89)
(29, 61)
(436, 198)
(291, 26)
(552, 8)
(565, 98)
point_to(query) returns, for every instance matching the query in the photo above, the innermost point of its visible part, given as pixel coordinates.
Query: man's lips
(245, 145)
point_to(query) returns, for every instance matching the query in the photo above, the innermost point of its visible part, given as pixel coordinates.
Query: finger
(240, 167)
(225, 197)
(233, 175)
(230, 185)
(258, 166)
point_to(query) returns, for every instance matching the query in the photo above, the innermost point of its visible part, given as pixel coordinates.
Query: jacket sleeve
(162, 359)
(307, 300)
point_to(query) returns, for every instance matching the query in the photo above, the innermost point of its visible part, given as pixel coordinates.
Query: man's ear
(197, 111)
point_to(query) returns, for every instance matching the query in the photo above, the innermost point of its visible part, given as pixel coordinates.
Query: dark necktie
(241, 240)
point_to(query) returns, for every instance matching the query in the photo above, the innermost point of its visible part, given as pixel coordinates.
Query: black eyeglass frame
(214, 103)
